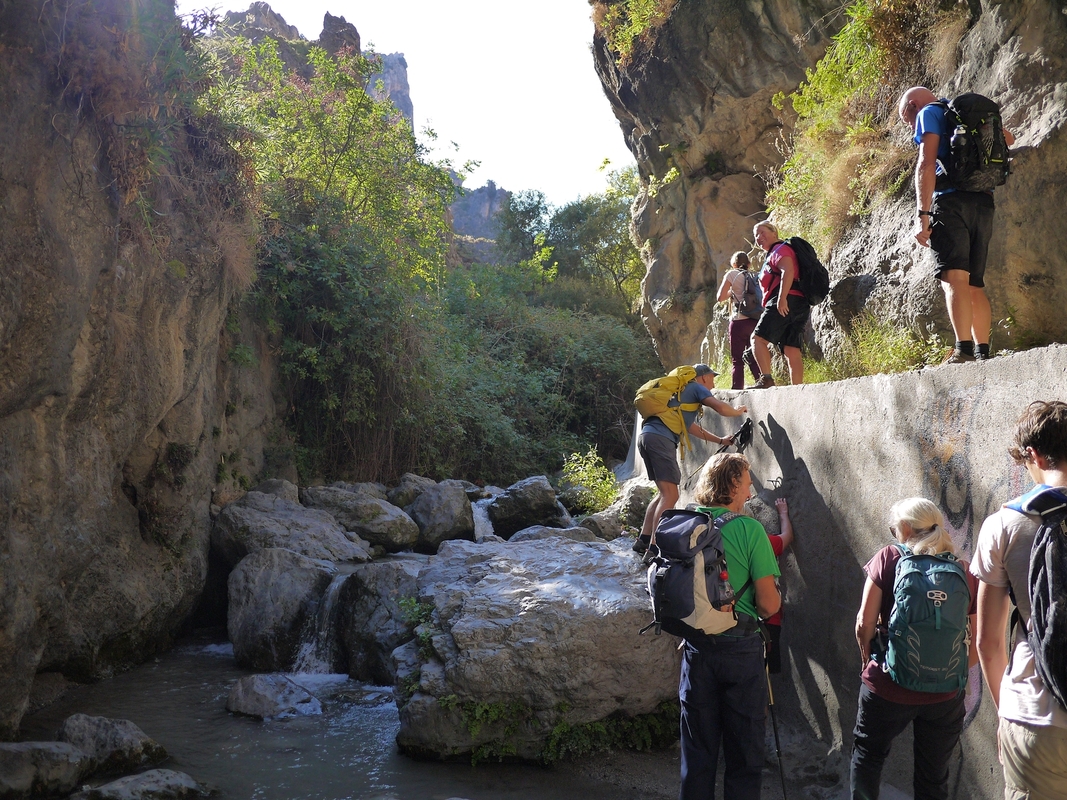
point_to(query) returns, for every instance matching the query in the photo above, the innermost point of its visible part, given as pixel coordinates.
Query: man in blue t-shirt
(658, 445)
(955, 224)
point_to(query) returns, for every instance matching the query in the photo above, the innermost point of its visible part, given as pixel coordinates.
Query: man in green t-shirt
(723, 685)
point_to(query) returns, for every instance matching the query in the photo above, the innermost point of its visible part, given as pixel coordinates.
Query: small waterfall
(483, 527)
(318, 646)
(634, 465)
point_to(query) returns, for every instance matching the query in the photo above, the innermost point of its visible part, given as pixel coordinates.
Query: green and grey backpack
(929, 632)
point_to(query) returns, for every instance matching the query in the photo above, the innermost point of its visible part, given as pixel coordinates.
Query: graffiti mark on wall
(944, 445)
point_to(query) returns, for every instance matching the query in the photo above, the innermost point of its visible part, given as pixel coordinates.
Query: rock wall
(699, 100)
(1015, 53)
(941, 433)
(121, 412)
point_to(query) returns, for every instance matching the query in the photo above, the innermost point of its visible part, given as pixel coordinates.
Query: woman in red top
(885, 707)
(785, 311)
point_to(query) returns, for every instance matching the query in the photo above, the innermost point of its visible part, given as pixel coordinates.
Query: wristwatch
(926, 213)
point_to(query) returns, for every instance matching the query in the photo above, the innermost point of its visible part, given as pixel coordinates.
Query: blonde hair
(765, 224)
(928, 536)
(719, 478)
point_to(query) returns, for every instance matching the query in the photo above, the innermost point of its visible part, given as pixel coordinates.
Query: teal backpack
(929, 633)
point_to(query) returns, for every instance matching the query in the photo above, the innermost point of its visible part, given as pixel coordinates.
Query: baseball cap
(704, 369)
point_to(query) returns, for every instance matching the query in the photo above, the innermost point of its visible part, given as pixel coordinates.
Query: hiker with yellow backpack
(670, 407)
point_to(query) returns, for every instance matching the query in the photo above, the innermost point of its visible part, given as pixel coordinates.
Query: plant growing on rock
(643, 732)
(628, 24)
(595, 483)
(847, 149)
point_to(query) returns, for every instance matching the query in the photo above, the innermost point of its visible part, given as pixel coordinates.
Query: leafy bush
(528, 384)
(596, 484)
(626, 23)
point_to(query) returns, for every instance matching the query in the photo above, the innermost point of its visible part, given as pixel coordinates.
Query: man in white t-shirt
(1033, 725)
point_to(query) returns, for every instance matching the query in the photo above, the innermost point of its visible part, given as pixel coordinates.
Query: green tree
(590, 238)
(521, 225)
(354, 234)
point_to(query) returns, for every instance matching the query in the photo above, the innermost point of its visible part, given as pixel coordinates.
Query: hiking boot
(640, 545)
(764, 382)
(957, 357)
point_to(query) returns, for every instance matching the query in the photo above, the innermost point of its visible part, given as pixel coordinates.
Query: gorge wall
(122, 419)
(698, 99)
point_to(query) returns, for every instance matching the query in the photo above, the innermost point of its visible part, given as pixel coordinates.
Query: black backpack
(687, 576)
(814, 281)
(1047, 588)
(978, 152)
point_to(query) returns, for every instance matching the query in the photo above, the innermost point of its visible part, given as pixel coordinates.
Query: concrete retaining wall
(843, 453)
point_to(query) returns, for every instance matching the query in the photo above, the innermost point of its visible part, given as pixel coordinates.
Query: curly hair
(1043, 426)
(719, 478)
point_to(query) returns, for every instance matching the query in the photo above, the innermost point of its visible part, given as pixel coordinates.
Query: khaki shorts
(1034, 759)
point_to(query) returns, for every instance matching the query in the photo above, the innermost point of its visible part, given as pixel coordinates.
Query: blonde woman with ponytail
(885, 707)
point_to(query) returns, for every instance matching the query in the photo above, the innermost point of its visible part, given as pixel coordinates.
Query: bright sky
(512, 84)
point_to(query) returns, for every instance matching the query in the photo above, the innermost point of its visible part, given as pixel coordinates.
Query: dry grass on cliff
(848, 151)
(173, 171)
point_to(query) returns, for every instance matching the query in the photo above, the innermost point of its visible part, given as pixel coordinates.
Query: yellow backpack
(652, 398)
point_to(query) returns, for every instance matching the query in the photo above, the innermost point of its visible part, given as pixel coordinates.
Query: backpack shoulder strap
(721, 522)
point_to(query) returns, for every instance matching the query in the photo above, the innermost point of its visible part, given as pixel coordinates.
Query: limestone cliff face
(117, 400)
(699, 100)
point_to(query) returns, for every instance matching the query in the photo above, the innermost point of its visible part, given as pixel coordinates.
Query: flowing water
(349, 751)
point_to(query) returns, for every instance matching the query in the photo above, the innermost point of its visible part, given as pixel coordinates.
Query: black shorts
(959, 233)
(660, 455)
(787, 331)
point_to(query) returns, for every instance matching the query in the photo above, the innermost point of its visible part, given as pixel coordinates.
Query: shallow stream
(349, 751)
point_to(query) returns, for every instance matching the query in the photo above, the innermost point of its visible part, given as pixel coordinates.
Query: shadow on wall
(809, 695)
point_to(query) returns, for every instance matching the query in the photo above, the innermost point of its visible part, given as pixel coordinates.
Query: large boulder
(41, 769)
(408, 490)
(603, 524)
(155, 784)
(365, 514)
(271, 697)
(473, 490)
(259, 521)
(369, 488)
(539, 532)
(633, 502)
(545, 632)
(526, 503)
(442, 512)
(373, 621)
(116, 745)
(274, 596)
(697, 99)
(279, 487)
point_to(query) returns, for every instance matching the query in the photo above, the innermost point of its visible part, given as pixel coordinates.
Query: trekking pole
(740, 440)
(774, 724)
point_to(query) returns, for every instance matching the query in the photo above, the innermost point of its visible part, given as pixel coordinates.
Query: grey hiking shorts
(660, 455)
